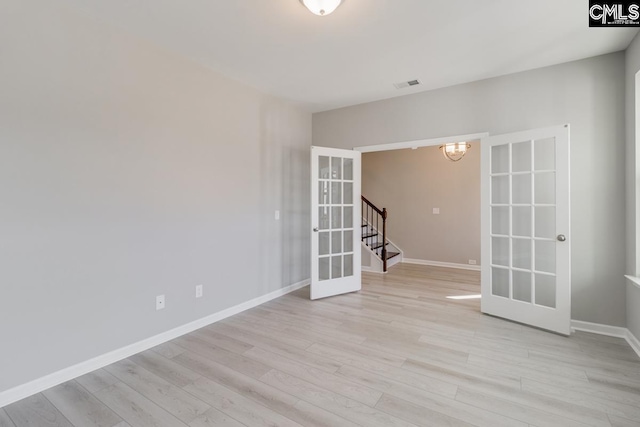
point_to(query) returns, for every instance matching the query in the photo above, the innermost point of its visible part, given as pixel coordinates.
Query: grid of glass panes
(335, 218)
(523, 221)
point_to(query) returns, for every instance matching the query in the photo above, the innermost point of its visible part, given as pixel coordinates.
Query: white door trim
(421, 142)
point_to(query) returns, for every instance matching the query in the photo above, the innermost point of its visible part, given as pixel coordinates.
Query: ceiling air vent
(402, 85)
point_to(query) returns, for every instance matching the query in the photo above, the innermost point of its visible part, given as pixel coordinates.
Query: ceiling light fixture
(455, 151)
(321, 7)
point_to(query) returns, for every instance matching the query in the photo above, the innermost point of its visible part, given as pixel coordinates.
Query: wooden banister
(364, 199)
(371, 218)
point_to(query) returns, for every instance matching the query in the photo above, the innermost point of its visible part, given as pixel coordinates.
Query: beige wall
(410, 183)
(589, 94)
(128, 172)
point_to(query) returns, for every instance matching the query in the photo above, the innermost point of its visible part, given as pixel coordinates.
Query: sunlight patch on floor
(465, 296)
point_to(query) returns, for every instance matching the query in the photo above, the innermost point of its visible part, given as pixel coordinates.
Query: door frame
(428, 142)
(414, 144)
(421, 143)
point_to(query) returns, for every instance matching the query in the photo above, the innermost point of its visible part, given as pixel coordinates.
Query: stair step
(366, 236)
(378, 245)
(392, 254)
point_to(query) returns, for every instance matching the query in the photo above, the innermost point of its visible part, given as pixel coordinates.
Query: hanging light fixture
(455, 151)
(321, 7)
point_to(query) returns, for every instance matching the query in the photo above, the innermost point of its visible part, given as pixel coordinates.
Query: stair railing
(372, 217)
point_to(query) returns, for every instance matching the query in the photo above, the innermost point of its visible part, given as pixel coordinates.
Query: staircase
(374, 238)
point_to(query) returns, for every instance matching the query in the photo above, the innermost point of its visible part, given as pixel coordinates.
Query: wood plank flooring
(398, 353)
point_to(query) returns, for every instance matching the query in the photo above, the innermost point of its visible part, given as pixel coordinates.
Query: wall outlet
(277, 215)
(472, 262)
(436, 211)
(159, 302)
(199, 291)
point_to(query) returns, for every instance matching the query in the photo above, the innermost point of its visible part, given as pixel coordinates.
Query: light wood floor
(398, 353)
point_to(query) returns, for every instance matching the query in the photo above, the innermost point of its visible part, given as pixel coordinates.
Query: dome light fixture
(321, 7)
(455, 151)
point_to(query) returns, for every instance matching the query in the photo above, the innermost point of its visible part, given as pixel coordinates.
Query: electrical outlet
(159, 302)
(277, 215)
(199, 291)
(472, 262)
(436, 211)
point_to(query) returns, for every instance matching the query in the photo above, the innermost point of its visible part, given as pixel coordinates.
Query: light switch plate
(436, 211)
(159, 302)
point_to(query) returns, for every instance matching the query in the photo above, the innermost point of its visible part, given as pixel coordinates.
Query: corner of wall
(632, 67)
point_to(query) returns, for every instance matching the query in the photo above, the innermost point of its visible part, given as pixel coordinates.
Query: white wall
(633, 175)
(588, 94)
(127, 172)
(410, 183)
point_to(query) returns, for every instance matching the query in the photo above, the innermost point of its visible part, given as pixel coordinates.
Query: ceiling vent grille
(409, 83)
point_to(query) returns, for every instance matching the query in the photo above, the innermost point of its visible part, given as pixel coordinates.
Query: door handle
(315, 229)
(561, 238)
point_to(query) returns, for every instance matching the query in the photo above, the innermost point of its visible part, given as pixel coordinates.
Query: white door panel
(526, 250)
(335, 221)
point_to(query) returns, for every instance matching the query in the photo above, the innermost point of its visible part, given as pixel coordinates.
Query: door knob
(315, 229)
(561, 237)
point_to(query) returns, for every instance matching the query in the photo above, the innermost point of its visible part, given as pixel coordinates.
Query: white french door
(335, 222)
(526, 250)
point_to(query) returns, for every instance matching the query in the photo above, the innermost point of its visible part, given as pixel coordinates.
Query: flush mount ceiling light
(321, 7)
(455, 151)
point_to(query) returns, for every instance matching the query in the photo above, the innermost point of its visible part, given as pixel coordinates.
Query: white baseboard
(36, 386)
(597, 328)
(611, 331)
(441, 264)
(370, 269)
(635, 281)
(633, 342)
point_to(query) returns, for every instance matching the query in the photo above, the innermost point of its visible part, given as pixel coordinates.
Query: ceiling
(356, 54)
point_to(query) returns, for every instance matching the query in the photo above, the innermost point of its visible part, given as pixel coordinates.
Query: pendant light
(455, 151)
(321, 7)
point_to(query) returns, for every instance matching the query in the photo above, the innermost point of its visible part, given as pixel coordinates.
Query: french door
(335, 221)
(526, 250)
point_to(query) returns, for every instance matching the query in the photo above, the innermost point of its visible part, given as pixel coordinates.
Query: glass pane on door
(526, 266)
(500, 284)
(500, 189)
(521, 189)
(336, 201)
(521, 253)
(500, 159)
(523, 221)
(323, 167)
(522, 156)
(522, 286)
(545, 154)
(500, 220)
(500, 252)
(323, 243)
(545, 290)
(545, 224)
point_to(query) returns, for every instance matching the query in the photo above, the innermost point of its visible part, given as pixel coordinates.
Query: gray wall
(588, 94)
(410, 183)
(127, 172)
(633, 292)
